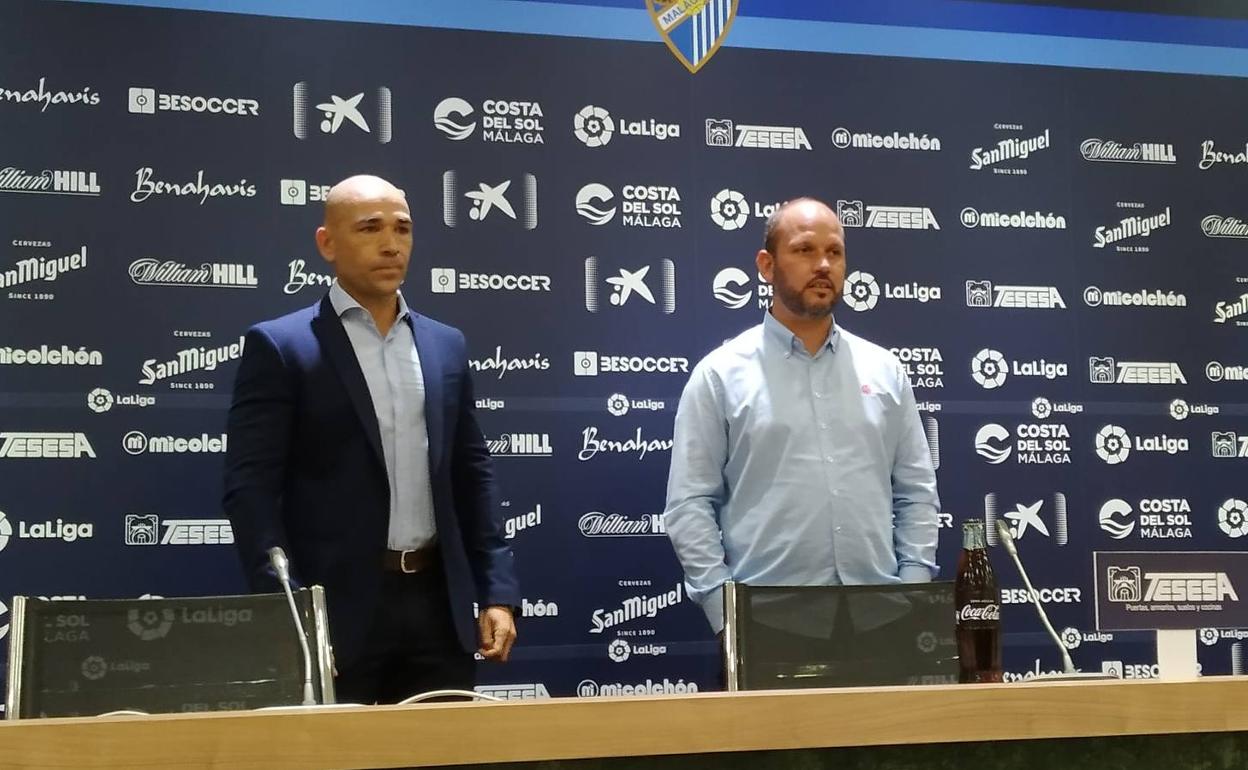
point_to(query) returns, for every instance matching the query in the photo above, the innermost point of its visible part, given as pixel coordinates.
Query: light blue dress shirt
(793, 469)
(396, 384)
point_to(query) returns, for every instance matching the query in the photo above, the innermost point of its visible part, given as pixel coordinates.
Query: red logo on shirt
(866, 390)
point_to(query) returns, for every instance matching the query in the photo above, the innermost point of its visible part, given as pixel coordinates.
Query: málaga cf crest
(693, 29)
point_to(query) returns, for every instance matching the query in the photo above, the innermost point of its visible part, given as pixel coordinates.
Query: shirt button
(823, 425)
(828, 459)
(818, 394)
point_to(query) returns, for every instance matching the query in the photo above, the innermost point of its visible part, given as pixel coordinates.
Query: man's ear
(765, 263)
(325, 244)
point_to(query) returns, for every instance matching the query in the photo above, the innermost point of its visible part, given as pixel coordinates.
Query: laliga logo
(100, 400)
(4, 629)
(6, 531)
(150, 624)
(94, 667)
(619, 650)
(1071, 638)
(447, 112)
(590, 198)
(1113, 445)
(989, 369)
(729, 209)
(1233, 518)
(617, 405)
(735, 278)
(1179, 409)
(862, 291)
(1042, 408)
(593, 126)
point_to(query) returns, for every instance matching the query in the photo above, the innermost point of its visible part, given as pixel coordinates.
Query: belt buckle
(403, 562)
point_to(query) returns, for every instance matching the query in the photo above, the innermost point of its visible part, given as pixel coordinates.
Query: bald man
(353, 445)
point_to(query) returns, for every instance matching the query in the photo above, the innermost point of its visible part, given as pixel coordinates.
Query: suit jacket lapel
(337, 346)
(431, 368)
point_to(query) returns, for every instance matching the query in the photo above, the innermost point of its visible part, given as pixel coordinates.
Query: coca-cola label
(978, 611)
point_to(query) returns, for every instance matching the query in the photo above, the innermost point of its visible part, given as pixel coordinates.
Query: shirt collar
(343, 302)
(789, 341)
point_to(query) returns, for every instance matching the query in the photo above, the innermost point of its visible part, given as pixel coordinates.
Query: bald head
(367, 237)
(361, 188)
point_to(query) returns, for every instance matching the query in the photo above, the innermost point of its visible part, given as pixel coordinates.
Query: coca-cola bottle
(979, 609)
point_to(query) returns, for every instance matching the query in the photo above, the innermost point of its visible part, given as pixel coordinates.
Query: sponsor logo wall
(1072, 319)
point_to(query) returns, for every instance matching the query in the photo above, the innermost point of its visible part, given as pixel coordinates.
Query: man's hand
(497, 631)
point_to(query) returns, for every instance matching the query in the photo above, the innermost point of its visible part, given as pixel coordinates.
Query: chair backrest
(839, 636)
(82, 658)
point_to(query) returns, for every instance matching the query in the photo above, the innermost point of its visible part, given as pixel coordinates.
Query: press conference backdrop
(1057, 255)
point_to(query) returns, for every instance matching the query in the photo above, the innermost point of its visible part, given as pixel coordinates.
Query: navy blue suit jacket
(305, 470)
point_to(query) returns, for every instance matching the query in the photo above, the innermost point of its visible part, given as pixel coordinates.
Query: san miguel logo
(693, 29)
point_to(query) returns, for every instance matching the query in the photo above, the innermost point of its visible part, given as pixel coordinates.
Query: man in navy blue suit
(353, 445)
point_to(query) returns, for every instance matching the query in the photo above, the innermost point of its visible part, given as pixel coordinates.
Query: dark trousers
(411, 645)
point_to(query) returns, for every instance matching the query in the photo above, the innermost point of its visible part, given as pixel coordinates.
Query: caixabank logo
(368, 111)
(493, 200)
(1044, 515)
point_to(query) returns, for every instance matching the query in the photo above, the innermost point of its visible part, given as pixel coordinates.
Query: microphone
(1068, 667)
(281, 566)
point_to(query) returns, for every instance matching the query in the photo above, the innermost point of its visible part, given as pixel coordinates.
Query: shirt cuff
(713, 606)
(914, 573)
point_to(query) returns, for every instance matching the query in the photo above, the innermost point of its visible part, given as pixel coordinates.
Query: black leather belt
(410, 562)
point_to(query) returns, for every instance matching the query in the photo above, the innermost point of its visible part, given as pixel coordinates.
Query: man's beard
(795, 301)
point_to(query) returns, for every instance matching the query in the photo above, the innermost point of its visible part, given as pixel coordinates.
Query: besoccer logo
(617, 405)
(100, 400)
(593, 126)
(150, 624)
(1113, 445)
(1233, 518)
(862, 291)
(988, 369)
(729, 209)
(619, 650)
(1042, 408)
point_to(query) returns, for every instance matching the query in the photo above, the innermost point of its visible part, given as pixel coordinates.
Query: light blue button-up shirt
(793, 469)
(396, 384)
